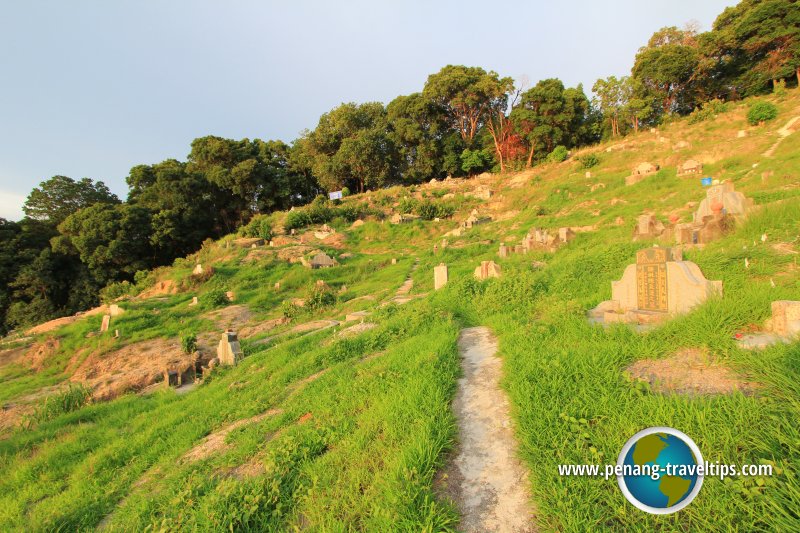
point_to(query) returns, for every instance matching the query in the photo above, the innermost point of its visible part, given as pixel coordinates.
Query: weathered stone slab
(663, 283)
(439, 276)
(229, 352)
(487, 269)
(786, 318)
(722, 199)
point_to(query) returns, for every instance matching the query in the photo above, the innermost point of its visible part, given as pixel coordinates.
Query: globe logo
(659, 470)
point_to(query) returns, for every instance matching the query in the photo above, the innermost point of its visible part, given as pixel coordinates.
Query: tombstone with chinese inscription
(660, 284)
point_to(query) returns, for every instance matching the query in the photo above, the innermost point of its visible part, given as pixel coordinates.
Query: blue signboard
(705, 182)
(335, 195)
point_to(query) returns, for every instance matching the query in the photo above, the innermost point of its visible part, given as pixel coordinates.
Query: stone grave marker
(439, 276)
(647, 227)
(658, 285)
(106, 322)
(487, 269)
(229, 351)
(565, 235)
(725, 199)
(786, 318)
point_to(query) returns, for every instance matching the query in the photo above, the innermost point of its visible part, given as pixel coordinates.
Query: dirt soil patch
(294, 253)
(261, 327)
(40, 352)
(230, 316)
(690, 371)
(11, 413)
(485, 478)
(357, 329)
(161, 288)
(131, 368)
(215, 442)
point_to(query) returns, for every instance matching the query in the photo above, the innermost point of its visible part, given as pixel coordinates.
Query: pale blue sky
(91, 88)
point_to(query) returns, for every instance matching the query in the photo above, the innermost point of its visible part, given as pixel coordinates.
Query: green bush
(189, 343)
(320, 296)
(112, 291)
(72, 399)
(260, 226)
(428, 210)
(779, 88)
(345, 192)
(297, 219)
(290, 310)
(708, 111)
(475, 161)
(350, 212)
(761, 112)
(215, 298)
(588, 160)
(559, 154)
(407, 205)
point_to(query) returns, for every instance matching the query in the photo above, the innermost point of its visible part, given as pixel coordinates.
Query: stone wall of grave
(673, 287)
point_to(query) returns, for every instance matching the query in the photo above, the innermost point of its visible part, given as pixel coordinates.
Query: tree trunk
(530, 156)
(797, 71)
(636, 124)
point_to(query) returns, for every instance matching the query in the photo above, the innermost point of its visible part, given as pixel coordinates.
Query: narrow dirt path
(485, 478)
(784, 132)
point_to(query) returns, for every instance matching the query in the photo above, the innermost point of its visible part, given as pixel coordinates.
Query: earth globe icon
(659, 470)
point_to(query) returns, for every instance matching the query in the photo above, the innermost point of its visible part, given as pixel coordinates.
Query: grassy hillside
(322, 430)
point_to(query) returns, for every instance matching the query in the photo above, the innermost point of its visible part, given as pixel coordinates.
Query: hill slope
(326, 427)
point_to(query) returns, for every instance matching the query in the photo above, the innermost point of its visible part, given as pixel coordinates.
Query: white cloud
(11, 205)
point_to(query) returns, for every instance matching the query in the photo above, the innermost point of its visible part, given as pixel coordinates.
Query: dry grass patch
(691, 371)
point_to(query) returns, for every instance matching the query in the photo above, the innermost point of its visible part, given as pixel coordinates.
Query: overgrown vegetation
(761, 112)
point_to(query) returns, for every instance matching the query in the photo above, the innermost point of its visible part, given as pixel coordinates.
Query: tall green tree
(186, 207)
(113, 241)
(469, 96)
(254, 172)
(666, 69)
(417, 127)
(610, 99)
(753, 44)
(351, 147)
(57, 198)
(549, 115)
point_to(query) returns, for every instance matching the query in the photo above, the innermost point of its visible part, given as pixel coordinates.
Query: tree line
(78, 237)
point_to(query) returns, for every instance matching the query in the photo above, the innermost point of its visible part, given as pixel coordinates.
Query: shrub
(779, 88)
(428, 210)
(215, 298)
(319, 296)
(559, 154)
(290, 310)
(761, 112)
(67, 401)
(345, 192)
(407, 205)
(588, 160)
(297, 219)
(350, 212)
(189, 343)
(708, 111)
(112, 291)
(260, 226)
(474, 161)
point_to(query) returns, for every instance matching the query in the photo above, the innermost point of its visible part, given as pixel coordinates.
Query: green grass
(381, 426)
